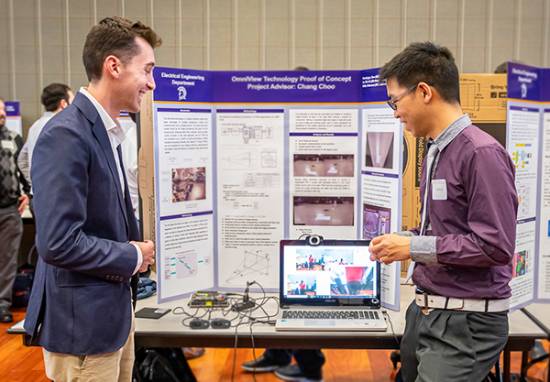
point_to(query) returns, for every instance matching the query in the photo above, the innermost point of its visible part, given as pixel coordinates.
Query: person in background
(55, 97)
(12, 204)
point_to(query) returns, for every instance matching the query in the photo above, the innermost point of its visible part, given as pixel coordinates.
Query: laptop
(330, 285)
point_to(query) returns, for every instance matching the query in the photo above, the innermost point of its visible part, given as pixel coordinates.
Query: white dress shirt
(116, 134)
(24, 160)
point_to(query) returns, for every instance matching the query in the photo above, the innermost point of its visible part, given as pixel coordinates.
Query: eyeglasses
(393, 102)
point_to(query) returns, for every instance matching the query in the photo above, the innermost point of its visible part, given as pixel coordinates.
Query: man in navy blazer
(81, 309)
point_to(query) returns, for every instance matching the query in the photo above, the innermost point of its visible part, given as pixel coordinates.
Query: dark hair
(114, 36)
(53, 94)
(301, 68)
(427, 62)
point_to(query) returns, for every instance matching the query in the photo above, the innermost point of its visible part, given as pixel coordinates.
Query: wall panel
(43, 39)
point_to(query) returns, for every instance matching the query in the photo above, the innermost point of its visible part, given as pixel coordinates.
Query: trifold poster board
(13, 117)
(528, 142)
(243, 160)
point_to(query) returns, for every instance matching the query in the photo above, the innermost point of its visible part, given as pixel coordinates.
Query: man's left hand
(390, 248)
(23, 203)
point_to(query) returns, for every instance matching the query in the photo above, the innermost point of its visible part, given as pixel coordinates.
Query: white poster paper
(250, 195)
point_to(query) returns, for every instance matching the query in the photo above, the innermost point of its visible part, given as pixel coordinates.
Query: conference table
(168, 331)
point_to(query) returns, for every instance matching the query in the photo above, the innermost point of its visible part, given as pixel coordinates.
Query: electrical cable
(388, 318)
(256, 314)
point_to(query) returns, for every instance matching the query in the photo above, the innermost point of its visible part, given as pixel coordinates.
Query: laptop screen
(335, 272)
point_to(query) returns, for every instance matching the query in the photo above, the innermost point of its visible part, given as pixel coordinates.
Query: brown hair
(114, 36)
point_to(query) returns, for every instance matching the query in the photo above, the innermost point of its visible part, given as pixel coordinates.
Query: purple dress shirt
(468, 246)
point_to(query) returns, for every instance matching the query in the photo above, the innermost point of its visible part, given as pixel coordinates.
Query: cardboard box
(483, 96)
(414, 153)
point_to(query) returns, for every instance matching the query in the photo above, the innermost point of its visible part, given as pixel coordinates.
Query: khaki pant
(108, 367)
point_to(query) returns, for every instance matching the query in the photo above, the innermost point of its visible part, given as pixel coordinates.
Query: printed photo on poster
(188, 184)
(519, 262)
(376, 221)
(379, 150)
(324, 165)
(325, 210)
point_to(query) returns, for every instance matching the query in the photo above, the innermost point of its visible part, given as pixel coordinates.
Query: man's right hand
(148, 252)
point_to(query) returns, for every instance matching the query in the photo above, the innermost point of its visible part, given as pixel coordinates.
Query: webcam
(314, 240)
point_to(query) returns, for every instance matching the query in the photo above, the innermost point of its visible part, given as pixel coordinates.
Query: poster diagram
(182, 266)
(253, 263)
(249, 134)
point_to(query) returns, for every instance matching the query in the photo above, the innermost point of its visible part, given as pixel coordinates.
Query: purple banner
(250, 111)
(524, 82)
(288, 86)
(323, 134)
(181, 216)
(524, 108)
(545, 89)
(372, 89)
(178, 110)
(373, 173)
(13, 108)
(182, 85)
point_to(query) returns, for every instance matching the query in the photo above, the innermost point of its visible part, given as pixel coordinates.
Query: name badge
(439, 189)
(8, 145)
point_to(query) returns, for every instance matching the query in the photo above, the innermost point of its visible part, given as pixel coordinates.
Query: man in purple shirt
(458, 323)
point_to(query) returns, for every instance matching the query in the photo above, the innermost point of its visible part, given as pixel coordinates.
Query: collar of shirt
(450, 133)
(114, 129)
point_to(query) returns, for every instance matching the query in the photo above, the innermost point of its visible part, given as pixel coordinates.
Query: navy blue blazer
(81, 298)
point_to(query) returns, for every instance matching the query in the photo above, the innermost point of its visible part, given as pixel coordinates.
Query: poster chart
(13, 117)
(528, 142)
(246, 159)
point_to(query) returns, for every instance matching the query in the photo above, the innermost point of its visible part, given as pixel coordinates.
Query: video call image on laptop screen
(329, 272)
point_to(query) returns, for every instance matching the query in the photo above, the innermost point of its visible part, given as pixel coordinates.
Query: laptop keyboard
(331, 314)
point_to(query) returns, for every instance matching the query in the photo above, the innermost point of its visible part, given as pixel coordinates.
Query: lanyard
(430, 164)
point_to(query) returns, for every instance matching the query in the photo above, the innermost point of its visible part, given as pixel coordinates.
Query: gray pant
(447, 345)
(11, 229)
